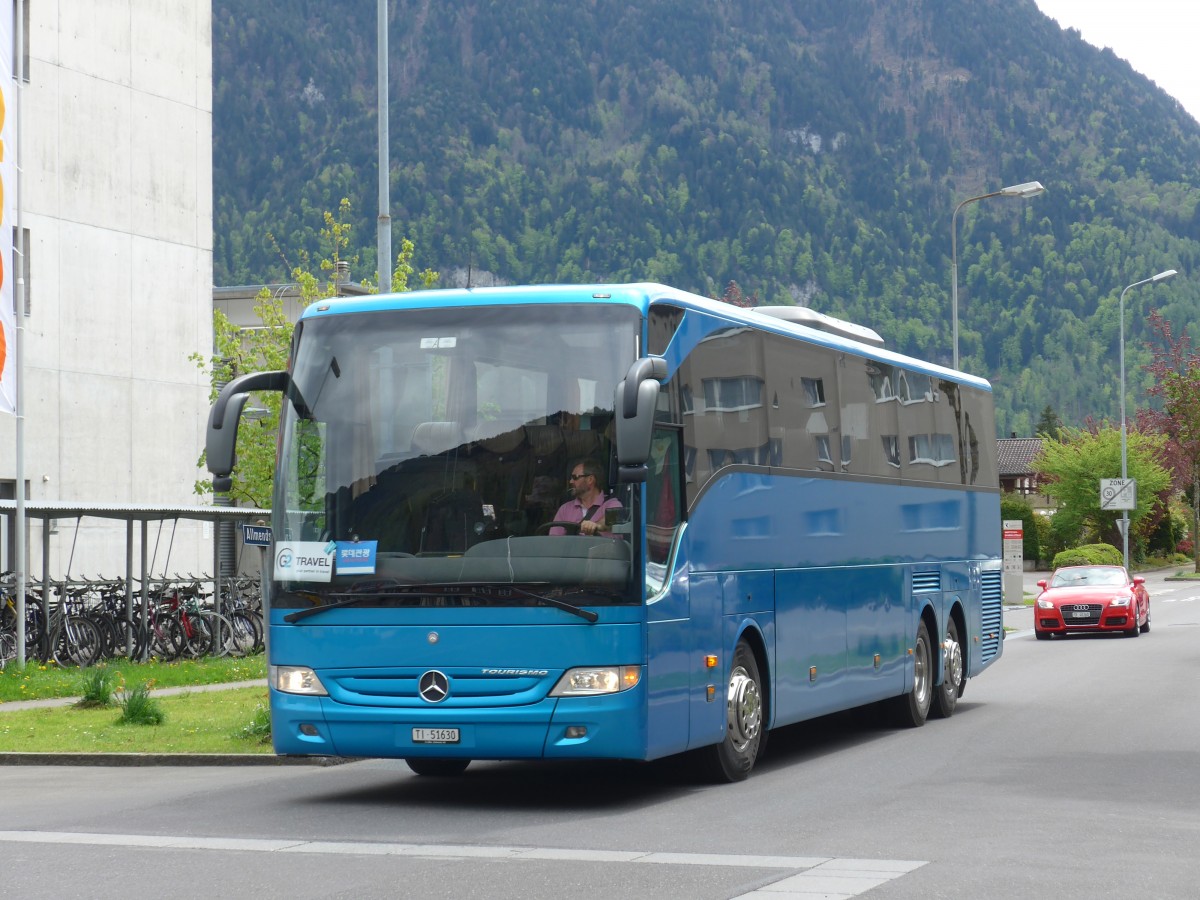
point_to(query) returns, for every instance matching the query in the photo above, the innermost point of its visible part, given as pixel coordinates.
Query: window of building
(732, 394)
(814, 390)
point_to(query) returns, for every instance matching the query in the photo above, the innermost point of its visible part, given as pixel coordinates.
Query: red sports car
(1091, 598)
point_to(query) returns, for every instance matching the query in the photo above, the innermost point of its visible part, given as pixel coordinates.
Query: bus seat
(454, 521)
(500, 438)
(546, 440)
(429, 438)
(583, 445)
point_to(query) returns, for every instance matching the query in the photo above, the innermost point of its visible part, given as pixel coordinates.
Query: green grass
(38, 681)
(198, 722)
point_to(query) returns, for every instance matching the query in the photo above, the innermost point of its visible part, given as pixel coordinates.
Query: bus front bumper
(609, 726)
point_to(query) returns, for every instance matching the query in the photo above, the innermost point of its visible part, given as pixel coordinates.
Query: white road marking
(835, 879)
(805, 878)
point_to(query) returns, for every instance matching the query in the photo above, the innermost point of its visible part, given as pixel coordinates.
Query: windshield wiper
(313, 610)
(375, 591)
(556, 603)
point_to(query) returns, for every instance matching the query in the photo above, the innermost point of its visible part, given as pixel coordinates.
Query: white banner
(8, 171)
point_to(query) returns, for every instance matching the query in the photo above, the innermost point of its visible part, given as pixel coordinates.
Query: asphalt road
(1070, 770)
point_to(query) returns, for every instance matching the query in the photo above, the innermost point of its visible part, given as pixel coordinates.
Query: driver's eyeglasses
(577, 477)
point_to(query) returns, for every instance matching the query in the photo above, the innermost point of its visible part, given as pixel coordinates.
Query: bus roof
(639, 295)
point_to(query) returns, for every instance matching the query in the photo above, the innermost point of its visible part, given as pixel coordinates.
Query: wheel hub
(744, 708)
(953, 662)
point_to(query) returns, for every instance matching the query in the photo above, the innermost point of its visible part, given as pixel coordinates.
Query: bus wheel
(912, 709)
(439, 767)
(745, 734)
(954, 678)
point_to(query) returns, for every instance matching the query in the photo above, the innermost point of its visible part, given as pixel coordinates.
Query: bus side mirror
(636, 401)
(221, 440)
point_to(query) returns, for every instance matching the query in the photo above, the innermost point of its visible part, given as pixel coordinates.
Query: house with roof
(1015, 458)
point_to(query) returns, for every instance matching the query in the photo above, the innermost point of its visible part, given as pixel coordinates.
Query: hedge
(1089, 555)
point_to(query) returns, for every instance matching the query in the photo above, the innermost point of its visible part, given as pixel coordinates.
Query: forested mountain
(813, 151)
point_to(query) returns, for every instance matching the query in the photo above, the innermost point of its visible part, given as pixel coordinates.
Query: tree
(1049, 424)
(1014, 506)
(1176, 371)
(266, 348)
(733, 295)
(1072, 468)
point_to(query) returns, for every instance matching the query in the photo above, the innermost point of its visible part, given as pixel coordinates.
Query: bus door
(670, 659)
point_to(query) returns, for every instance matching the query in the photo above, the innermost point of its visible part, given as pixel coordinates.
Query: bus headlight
(588, 681)
(296, 680)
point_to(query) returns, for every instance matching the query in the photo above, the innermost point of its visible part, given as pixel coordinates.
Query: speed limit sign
(1118, 493)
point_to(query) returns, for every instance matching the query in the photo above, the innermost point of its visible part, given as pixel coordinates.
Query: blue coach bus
(797, 521)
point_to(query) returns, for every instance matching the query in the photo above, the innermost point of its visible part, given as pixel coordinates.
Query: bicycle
(35, 619)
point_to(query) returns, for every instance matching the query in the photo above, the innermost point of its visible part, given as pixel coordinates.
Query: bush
(96, 688)
(1089, 555)
(1046, 538)
(139, 708)
(259, 727)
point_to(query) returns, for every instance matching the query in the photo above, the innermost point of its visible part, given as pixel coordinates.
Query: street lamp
(1161, 276)
(1023, 191)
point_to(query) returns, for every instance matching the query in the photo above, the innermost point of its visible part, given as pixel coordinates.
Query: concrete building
(116, 197)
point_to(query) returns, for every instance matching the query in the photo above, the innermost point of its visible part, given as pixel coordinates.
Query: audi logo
(433, 686)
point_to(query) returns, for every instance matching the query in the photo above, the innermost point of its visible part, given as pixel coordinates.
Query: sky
(1159, 38)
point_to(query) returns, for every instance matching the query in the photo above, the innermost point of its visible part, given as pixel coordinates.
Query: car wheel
(912, 709)
(1146, 626)
(437, 767)
(1135, 630)
(745, 723)
(1043, 635)
(954, 674)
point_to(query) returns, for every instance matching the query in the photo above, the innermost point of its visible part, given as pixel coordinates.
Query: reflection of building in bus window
(931, 449)
(823, 454)
(663, 511)
(814, 391)
(891, 449)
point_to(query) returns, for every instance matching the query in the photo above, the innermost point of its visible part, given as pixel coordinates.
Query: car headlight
(1119, 601)
(296, 680)
(589, 681)
(1045, 604)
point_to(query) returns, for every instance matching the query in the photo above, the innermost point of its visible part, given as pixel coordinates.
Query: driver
(588, 502)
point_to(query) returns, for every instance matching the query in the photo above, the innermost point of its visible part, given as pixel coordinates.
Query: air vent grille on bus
(926, 581)
(992, 618)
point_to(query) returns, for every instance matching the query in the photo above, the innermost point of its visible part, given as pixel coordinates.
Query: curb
(131, 760)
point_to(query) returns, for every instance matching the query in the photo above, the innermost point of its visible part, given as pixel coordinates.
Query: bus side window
(664, 498)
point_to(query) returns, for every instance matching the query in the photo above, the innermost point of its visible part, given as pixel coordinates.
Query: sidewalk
(14, 705)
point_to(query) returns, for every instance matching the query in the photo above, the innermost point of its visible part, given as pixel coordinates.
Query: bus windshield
(425, 455)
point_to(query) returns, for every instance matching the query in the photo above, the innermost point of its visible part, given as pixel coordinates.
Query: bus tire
(910, 710)
(954, 674)
(745, 724)
(439, 767)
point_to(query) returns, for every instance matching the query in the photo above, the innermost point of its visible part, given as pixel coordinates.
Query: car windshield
(1081, 577)
(433, 447)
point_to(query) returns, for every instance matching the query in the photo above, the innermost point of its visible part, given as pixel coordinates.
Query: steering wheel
(571, 527)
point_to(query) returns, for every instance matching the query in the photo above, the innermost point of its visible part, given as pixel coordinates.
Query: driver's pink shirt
(573, 511)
